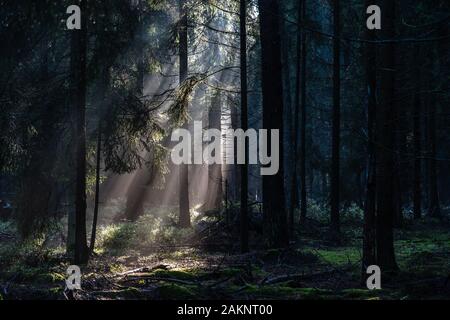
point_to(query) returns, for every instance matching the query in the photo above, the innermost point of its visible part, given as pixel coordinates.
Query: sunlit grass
(148, 233)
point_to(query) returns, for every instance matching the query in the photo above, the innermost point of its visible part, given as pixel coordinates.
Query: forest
(316, 158)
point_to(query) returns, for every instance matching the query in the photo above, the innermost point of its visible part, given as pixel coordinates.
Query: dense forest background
(86, 118)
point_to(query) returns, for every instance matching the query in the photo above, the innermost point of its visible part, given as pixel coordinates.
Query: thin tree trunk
(103, 105)
(244, 124)
(369, 245)
(417, 189)
(303, 198)
(137, 191)
(97, 186)
(295, 127)
(335, 157)
(184, 214)
(434, 207)
(214, 196)
(275, 218)
(78, 77)
(396, 178)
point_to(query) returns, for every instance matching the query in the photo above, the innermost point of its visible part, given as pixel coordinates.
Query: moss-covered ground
(311, 269)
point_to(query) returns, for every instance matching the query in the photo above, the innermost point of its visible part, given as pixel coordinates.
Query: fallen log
(151, 278)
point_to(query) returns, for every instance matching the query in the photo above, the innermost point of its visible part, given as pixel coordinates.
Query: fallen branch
(142, 269)
(149, 278)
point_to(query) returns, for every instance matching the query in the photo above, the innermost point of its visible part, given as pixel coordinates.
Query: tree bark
(275, 218)
(184, 214)
(78, 84)
(303, 53)
(385, 144)
(336, 130)
(244, 124)
(417, 189)
(103, 105)
(369, 245)
(215, 180)
(434, 207)
(296, 124)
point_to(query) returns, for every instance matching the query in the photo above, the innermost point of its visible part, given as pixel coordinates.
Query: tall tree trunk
(244, 124)
(417, 188)
(97, 186)
(335, 156)
(234, 179)
(104, 90)
(369, 245)
(78, 86)
(434, 207)
(184, 214)
(296, 125)
(385, 144)
(137, 190)
(303, 199)
(396, 178)
(275, 217)
(215, 180)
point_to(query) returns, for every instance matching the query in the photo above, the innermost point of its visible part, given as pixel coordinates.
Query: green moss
(128, 293)
(131, 292)
(176, 292)
(313, 293)
(340, 256)
(116, 268)
(50, 277)
(361, 294)
(284, 292)
(177, 274)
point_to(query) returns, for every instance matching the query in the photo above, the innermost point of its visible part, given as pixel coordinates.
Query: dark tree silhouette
(275, 217)
(78, 87)
(336, 130)
(184, 218)
(244, 125)
(369, 245)
(385, 143)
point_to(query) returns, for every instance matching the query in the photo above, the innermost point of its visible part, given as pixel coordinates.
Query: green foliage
(318, 211)
(117, 237)
(147, 234)
(353, 215)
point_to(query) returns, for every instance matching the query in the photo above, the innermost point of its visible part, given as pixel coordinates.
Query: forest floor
(312, 268)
